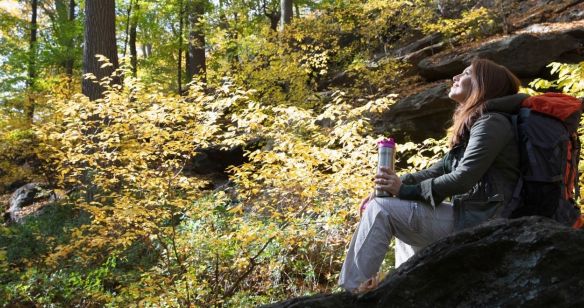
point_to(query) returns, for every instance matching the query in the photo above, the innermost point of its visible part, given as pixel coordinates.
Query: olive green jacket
(479, 174)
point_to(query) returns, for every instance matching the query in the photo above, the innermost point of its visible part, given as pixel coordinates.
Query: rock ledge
(524, 262)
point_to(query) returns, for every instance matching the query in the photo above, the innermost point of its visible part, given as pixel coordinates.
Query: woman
(478, 174)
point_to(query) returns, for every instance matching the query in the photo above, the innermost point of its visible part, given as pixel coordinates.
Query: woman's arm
(436, 170)
(488, 136)
(387, 180)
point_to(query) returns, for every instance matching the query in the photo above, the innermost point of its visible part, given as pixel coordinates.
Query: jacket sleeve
(488, 136)
(436, 170)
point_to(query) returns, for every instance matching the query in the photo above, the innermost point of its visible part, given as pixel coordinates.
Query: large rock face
(529, 262)
(420, 116)
(523, 13)
(525, 54)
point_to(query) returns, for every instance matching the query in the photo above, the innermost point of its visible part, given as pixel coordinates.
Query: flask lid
(386, 143)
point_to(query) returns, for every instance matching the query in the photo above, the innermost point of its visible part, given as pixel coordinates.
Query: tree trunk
(274, 20)
(29, 107)
(128, 21)
(188, 64)
(133, 34)
(287, 12)
(273, 16)
(70, 62)
(100, 39)
(197, 66)
(180, 43)
(146, 50)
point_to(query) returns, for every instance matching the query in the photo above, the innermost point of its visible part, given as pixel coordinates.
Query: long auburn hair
(488, 80)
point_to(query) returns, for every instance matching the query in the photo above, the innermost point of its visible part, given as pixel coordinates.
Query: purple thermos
(386, 158)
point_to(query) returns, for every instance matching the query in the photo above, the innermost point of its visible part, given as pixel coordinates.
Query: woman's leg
(412, 222)
(404, 251)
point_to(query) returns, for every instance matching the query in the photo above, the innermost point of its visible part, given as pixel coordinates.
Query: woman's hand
(364, 202)
(387, 180)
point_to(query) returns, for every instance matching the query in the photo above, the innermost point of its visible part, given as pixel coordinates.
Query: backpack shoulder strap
(575, 162)
(515, 201)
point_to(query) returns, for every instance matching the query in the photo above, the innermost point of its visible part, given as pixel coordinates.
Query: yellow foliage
(123, 155)
(16, 147)
(289, 204)
(472, 25)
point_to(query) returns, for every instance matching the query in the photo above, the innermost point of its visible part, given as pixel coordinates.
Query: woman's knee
(397, 210)
(377, 205)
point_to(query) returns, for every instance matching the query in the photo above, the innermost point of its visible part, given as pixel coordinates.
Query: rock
(422, 43)
(577, 13)
(525, 54)
(531, 261)
(525, 13)
(417, 56)
(26, 196)
(419, 116)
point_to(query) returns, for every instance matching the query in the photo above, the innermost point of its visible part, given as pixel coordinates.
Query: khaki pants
(404, 251)
(415, 224)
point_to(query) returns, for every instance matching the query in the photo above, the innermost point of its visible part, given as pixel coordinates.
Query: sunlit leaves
(570, 79)
(472, 25)
(110, 147)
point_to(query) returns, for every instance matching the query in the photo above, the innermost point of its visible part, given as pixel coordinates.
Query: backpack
(546, 128)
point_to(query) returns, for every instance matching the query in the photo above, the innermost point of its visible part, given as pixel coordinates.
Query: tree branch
(252, 262)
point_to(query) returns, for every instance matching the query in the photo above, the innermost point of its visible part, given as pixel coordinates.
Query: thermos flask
(386, 158)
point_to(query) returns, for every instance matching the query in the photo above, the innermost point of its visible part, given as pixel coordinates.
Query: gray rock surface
(26, 196)
(526, 54)
(415, 57)
(523, 13)
(420, 116)
(527, 262)
(417, 45)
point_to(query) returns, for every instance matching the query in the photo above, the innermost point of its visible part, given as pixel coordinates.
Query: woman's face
(461, 86)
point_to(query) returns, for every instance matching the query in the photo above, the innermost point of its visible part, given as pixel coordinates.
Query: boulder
(24, 197)
(526, 262)
(423, 115)
(526, 54)
(417, 45)
(415, 57)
